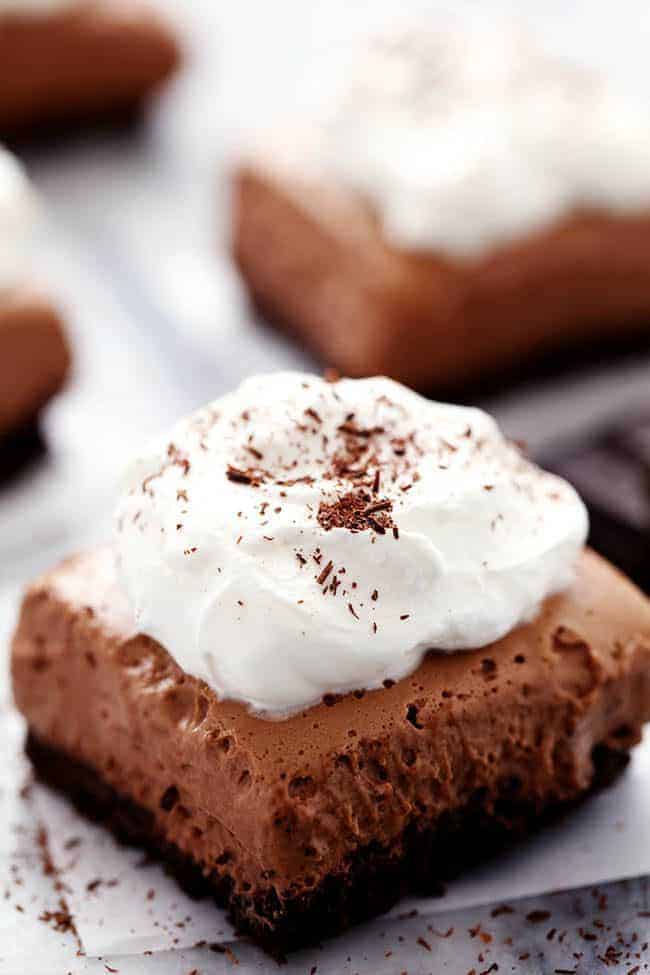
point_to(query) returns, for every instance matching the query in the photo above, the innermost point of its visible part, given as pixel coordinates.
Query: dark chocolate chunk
(611, 470)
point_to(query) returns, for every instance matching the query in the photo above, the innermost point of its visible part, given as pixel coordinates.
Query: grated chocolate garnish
(322, 578)
(356, 512)
(384, 505)
(61, 920)
(250, 476)
(350, 428)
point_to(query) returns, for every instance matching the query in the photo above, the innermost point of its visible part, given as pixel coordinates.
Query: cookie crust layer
(281, 811)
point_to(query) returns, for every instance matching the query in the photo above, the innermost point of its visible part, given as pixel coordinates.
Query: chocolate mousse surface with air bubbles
(291, 815)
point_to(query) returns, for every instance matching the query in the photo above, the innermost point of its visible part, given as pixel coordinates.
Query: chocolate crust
(316, 264)
(420, 861)
(20, 449)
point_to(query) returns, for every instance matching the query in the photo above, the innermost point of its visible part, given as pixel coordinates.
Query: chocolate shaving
(296, 480)
(352, 430)
(384, 505)
(61, 920)
(322, 578)
(354, 512)
(238, 476)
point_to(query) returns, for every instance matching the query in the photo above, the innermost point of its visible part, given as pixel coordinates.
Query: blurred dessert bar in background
(34, 356)
(467, 202)
(69, 61)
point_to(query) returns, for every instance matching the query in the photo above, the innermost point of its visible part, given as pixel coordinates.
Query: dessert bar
(468, 203)
(34, 358)
(79, 61)
(344, 640)
(291, 824)
(34, 355)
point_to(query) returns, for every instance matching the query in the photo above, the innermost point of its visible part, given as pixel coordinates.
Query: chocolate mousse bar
(79, 61)
(428, 230)
(192, 707)
(34, 358)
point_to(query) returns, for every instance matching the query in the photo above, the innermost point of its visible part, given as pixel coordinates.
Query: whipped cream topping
(17, 218)
(299, 538)
(33, 8)
(465, 140)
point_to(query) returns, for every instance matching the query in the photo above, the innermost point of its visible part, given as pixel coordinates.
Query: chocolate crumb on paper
(536, 917)
(62, 919)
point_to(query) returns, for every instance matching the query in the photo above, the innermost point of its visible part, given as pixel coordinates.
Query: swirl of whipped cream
(467, 139)
(299, 537)
(17, 218)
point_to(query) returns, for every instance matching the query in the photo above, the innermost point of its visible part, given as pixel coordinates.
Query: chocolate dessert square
(345, 640)
(301, 827)
(34, 355)
(80, 62)
(34, 358)
(425, 229)
(316, 265)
